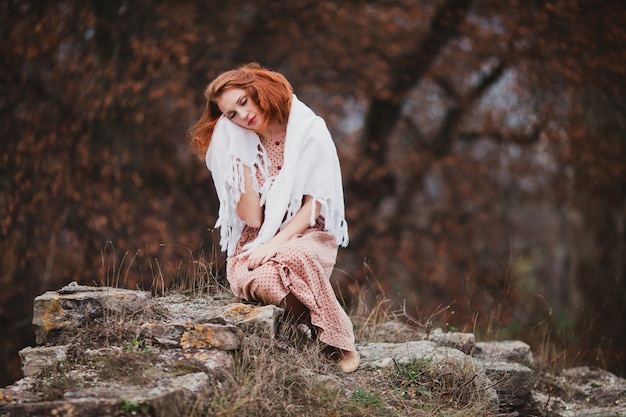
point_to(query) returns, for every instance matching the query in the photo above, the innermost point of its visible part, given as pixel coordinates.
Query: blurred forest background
(482, 142)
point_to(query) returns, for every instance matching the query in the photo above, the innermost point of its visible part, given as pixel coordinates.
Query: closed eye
(240, 103)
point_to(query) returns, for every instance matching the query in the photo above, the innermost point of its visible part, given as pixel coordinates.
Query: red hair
(269, 90)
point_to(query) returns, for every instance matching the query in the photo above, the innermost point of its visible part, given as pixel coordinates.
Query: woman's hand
(297, 225)
(262, 254)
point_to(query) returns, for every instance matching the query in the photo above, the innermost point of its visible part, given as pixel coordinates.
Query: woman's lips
(251, 121)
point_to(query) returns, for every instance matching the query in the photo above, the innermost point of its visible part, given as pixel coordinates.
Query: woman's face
(237, 105)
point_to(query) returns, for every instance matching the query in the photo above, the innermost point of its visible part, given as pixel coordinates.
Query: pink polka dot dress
(302, 267)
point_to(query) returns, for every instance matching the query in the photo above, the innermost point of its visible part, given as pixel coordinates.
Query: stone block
(383, 355)
(212, 336)
(465, 342)
(260, 319)
(42, 359)
(166, 334)
(506, 350)
(512, 381)
(158, 402)
(71, 307)
(211, 361)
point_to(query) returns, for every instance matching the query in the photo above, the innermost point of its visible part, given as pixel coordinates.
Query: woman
(281, 214)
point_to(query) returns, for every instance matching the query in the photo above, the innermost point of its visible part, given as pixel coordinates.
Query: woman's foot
(349, 361)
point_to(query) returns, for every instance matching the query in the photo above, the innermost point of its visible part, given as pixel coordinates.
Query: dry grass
(280, 377)
(288, 376)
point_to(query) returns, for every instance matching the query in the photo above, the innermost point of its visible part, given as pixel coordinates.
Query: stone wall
(187, 342)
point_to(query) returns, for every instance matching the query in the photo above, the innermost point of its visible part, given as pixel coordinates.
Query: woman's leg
(295, 308)
(348, 361)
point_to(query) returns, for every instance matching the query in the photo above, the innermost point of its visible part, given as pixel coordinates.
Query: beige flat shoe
(350, 362)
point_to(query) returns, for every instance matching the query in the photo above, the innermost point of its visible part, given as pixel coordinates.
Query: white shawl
(310, 167)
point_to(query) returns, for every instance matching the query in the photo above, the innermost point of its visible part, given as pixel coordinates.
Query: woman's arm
(248, 207)
(298, 224)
